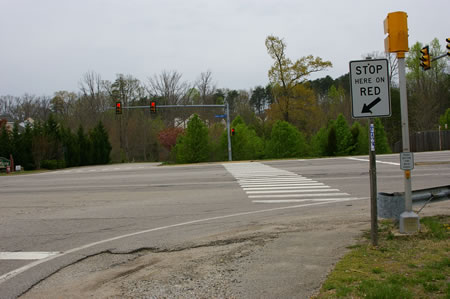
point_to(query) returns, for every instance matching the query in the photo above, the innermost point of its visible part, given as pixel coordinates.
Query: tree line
(50, 145)
(316, 109)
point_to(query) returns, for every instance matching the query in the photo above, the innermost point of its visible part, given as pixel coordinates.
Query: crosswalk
(268, 185)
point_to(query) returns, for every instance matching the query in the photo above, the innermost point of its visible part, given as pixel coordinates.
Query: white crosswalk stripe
(269, 185)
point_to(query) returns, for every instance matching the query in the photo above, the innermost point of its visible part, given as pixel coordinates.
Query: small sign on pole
(406, 161)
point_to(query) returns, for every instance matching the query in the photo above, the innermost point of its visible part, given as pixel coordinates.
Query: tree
(168, 137)
(319, 143)
(428, 91)
(193, 147)
(286, 75)
(85, 147)
(344, 138)
(71, 148)
(360, 139)
(286, 142)
(101, 148)
(444, 120)
(381, 141)
(5, 142)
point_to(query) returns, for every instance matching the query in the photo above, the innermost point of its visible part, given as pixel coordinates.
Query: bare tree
(94, 99)
(392, 62)
(206, 87)
(169, 87)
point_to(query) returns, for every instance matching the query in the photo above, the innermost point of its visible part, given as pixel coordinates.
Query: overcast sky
(47, 45)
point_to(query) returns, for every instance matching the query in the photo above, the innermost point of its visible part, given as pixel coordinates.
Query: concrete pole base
(409, 223)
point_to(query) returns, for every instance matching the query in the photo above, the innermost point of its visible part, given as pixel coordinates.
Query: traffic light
(232, 132)
(118, 107)
(396, 27)
(425, 58)
(153, 107)
(448, 46)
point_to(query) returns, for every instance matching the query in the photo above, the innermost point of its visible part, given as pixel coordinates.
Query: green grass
(416, 266)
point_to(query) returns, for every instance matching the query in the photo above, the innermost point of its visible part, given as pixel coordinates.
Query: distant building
(10, 122)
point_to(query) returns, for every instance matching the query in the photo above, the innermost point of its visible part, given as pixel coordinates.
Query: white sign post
(370, 88)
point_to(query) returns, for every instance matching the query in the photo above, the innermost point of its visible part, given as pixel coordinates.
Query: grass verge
(416, 266)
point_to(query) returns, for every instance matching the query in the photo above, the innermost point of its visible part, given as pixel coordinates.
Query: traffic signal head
(396, 27)
(425, 58)
(118, 107)
(448, 46)
(153, 107)
(232, 131)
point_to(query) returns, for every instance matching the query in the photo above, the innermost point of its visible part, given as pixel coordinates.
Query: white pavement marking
(38, 255)
(302, 200)
(286, 188)
(16, 272)
(298, 195)
(280, 186)
(367, 160)
(292, 191)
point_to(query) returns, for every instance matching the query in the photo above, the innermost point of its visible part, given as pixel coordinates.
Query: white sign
(406, 161)
(370, 88)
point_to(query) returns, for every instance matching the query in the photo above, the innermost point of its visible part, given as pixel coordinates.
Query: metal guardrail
(391, 205)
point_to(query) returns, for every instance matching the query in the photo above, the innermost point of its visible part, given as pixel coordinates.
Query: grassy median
(399, 267)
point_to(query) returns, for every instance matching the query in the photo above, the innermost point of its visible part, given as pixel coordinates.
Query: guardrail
(391, 205)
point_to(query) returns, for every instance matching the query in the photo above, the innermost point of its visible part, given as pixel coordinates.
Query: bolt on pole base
(409, 223)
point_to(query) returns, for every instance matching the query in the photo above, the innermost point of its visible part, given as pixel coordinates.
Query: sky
(48, 45)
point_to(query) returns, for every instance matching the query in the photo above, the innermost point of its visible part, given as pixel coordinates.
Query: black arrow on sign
(366, 108)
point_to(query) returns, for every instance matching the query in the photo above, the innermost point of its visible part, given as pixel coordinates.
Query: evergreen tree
(331, 141)
(245, 144)
(360, 139)
(343, 136)
(286, 142)
(381, 141)
(71, 148)
(85, 147)
(5, 143)
(16, 146)
(101, 148)
(26, 141)
(193, 147)
(319, 143)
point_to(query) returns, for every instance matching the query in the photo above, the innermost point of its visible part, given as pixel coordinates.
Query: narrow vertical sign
(372, 137)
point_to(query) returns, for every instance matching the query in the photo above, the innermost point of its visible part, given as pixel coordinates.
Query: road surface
(245, 229)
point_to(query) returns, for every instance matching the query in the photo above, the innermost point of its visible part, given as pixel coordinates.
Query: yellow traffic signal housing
(425, 58)
(448, 46)
(118, 107)
(395, 25)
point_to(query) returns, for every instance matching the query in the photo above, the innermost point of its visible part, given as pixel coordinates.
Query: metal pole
(230, 156)
(373, 184)
(409, 221)
(405, 129)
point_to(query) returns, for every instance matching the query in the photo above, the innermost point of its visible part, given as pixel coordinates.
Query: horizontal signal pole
(172, 106)
(439, 57)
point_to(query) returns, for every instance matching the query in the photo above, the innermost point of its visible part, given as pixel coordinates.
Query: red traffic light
(153, 106)
(118, 107)
(232, 131)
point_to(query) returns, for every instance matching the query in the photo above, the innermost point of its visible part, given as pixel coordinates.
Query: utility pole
(230, 156)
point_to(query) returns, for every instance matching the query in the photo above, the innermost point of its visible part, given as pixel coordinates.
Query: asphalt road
(67, 215)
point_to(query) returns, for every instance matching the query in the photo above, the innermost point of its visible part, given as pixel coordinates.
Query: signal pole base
(409, 223)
